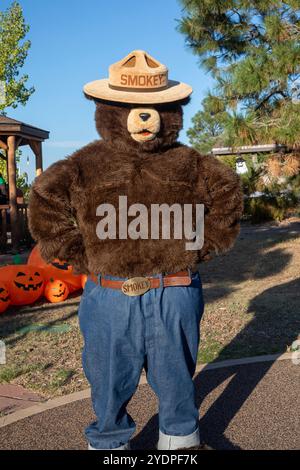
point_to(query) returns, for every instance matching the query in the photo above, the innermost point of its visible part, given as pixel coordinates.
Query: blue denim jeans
(159, 331)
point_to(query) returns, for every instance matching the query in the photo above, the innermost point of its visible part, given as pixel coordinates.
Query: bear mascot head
(131, 126)
(139, 128)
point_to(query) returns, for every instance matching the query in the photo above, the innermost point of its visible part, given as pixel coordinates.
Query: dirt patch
(252, 294)
(43, 348)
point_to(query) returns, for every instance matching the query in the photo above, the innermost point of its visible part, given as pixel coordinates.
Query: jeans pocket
(88, 288)
(87, 291)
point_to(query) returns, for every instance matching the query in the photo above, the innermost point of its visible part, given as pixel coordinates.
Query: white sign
(2, 353)
(296, 352)
(241, 167)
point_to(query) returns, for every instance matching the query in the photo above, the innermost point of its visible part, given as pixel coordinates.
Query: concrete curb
(245, 360)
(47, 405)
(84, 394)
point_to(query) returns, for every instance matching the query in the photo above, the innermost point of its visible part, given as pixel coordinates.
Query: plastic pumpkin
(25, 283)
(56, 291)
(4, 297)
(56, 270)
(62, 265)
(83, 280)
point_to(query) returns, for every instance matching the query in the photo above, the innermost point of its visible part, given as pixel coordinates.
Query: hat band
(144, 90)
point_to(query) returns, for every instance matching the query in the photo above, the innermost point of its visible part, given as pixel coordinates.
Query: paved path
(250, 406)
(15, 397)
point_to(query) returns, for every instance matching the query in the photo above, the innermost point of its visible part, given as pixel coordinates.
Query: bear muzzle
(143, 124)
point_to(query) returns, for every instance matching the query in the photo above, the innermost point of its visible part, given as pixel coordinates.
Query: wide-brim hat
(138, 78)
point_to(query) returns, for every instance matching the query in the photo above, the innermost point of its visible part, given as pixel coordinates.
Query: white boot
(124, 447)
(167, 442)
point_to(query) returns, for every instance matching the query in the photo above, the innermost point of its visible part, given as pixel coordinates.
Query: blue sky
(74, 42)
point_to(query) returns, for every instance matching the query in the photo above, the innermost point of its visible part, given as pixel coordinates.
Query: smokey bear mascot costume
(142, 304)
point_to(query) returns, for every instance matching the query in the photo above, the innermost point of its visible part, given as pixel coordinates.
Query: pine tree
(252, 50)
(208, 125)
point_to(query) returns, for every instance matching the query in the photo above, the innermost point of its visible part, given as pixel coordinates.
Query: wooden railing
(5, 228)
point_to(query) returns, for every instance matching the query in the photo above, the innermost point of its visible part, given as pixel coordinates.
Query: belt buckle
(136, 286)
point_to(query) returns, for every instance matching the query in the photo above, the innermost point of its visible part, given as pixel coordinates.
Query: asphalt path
(250, 406)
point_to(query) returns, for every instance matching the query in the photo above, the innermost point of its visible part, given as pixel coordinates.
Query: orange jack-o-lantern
(25, 283)
(62, 265)
(4, 297)
(83, 280)
(56, 270)
(56, 290)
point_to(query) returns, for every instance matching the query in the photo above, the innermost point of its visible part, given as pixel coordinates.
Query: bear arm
(52, 221)
(223, 208)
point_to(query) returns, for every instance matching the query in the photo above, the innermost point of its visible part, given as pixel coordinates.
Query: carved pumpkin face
(56, 270)
(56, 291)
(63, 265)
(4, 297)
(28, 281)
(25, 283)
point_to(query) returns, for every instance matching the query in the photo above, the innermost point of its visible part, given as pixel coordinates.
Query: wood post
(36, 147)
(12, 183)
(3, 227)
(3, 145)
(39, 160)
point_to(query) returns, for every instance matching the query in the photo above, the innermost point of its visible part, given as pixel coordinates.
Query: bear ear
(91, 98)
(172, 105)
(88, 97)
(96, 100)
(185, 101)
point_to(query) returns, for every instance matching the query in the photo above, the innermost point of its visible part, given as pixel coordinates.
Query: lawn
(252, 299)
(252, 294)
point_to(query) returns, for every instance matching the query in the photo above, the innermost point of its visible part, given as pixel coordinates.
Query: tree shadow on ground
(281, 304)
(19, 318)
(275, 318)
(248, 260)
(276, 321)
(241, 380)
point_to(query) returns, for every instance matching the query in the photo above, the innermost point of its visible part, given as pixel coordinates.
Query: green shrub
(269, 207)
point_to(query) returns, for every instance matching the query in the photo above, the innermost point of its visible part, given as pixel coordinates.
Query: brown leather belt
(139, 285)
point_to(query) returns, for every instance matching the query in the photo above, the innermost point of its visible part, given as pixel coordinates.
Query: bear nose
(144, 116)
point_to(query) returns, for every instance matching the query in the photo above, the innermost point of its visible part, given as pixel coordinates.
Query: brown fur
(64, 198)
(111, 123)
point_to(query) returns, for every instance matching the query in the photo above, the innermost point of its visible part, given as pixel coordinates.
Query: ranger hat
(138, 78)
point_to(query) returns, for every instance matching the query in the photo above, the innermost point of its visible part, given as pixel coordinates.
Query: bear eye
(1, 290)
(36, 273)
(21, 274)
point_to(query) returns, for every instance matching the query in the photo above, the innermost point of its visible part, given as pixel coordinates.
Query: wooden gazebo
(14, 134)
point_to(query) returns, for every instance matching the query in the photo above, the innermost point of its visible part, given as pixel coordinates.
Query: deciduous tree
(13, 52)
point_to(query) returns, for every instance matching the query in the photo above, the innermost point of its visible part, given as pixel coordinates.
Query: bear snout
(145, 116)
(143, 124)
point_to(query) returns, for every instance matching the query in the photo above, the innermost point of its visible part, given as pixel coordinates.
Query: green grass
(9, 373)
(61, 377)
(209, 351)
